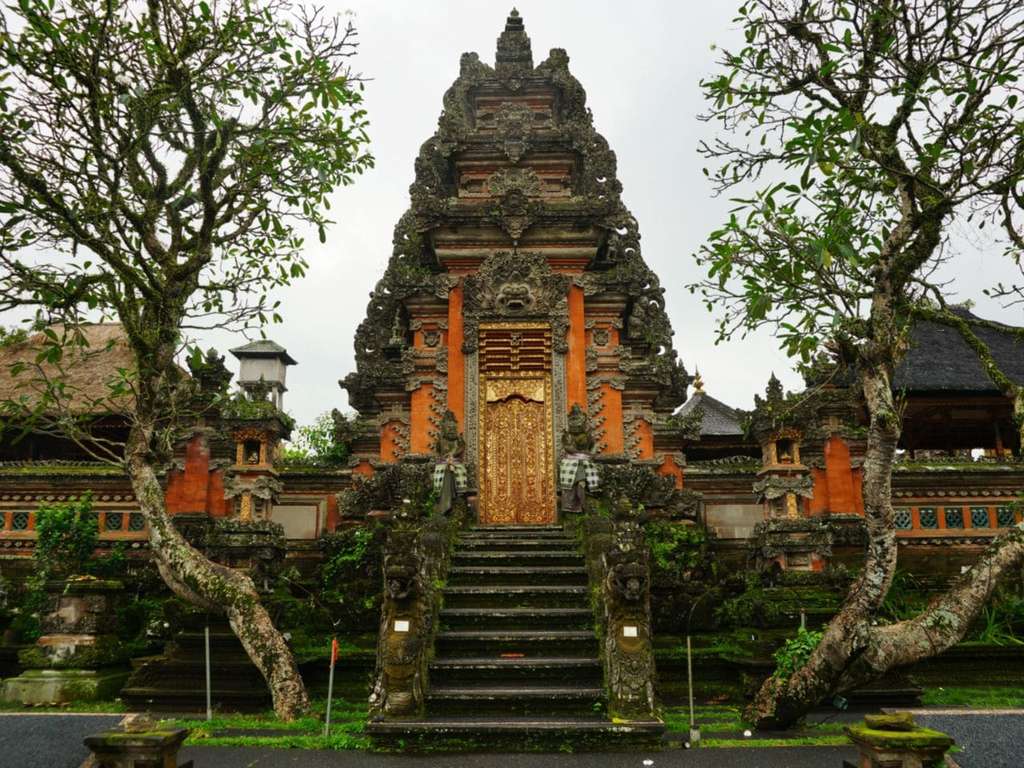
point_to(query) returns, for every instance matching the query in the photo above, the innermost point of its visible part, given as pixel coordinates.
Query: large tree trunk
(196, 579)
(852, 651)
(780, 703)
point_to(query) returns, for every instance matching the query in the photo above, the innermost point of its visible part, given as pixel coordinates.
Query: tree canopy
(851, 135)
(160, 162)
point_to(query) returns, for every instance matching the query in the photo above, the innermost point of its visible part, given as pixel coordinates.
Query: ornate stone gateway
(516, 426)
(516, 292)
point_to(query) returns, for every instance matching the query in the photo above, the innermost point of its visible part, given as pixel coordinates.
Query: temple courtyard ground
(985, 738)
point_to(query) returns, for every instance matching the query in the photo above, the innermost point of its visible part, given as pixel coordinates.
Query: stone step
(515, 699)
(511, 574)
(187, 699)
(194, 640)
(515, 534)
(528, 642)
(516, 671)
(521, 617)
(520, 558)
(513, 595)
(517, 528)
(466, 546)
(185, 672)
(581, 732)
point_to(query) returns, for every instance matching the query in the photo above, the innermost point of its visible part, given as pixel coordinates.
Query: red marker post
(330, 686)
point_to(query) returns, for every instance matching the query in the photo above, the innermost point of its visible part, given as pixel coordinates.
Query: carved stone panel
(511, 286)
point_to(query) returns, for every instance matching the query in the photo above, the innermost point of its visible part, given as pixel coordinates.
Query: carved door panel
(516, 444)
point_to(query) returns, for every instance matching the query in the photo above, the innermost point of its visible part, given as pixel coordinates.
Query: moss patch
(919, 738)
(989, 697)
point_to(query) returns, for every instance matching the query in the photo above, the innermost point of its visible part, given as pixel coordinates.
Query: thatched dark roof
(718, 419)
(87, 372)
(939, 359)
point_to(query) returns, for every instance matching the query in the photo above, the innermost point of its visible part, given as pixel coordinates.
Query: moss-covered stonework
(61, 686)
(895, 741)
(127, 749)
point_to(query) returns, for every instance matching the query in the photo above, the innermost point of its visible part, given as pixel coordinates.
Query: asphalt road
(986, 740)
(48, 741)
(779, 757)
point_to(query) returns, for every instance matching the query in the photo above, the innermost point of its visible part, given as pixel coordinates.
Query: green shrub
(676, 548)
(31, 604)
(113, 565)
(318, 443)
(906, 598)
(351, 575)
(66, 536)
(795, 652)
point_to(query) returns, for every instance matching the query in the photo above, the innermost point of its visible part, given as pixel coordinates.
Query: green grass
(711, 718)
(798, 741)
(336, 741)
(348, 719)
(979, 698)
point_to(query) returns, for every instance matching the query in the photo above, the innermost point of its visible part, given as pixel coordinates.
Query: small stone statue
(577, 473)
(449, 472)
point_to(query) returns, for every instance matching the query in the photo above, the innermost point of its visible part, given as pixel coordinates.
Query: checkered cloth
(571, 465)
(459, 470)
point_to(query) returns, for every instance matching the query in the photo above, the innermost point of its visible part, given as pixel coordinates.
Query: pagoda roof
(263, 348)
(939, 360)
(718, 418)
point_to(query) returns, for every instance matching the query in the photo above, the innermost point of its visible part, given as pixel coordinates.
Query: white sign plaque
(401, 625)
(629, 631)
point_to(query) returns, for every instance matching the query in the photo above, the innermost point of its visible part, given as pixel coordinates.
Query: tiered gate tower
(516, 290)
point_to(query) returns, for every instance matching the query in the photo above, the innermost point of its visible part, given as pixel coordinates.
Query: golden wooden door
(516, 443)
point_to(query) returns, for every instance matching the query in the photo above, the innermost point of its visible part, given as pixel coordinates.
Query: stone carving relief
(513, 124)
(514, 286)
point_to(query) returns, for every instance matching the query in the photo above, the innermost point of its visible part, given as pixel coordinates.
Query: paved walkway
(992, 739)
(988, 739)
(779, 757)
(48, 740)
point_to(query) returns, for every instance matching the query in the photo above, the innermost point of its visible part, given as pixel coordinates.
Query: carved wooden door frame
(518, 396)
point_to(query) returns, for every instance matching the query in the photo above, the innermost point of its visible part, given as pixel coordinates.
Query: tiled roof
(939, 360)
(719, 418)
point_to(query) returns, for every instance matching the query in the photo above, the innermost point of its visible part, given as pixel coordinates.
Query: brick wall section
(187, 491)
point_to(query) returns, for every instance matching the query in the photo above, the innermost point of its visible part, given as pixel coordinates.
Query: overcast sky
(640, 63)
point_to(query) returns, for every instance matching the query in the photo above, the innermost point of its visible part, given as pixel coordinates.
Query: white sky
(640, 63)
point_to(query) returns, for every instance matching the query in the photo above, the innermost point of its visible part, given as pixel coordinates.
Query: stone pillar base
(118, 749)
(62, 686)
(896, 741)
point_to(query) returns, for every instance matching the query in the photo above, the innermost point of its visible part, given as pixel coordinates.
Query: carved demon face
(629, 581)
(576, 421)
(399, 580)
(449, 426)
(515, 298)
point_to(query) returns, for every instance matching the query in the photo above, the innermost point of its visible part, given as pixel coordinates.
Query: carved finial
(514, 56)
(698, 382)
(774, 389)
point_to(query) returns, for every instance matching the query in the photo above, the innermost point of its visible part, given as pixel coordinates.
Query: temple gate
(515, 292)
(516, 444)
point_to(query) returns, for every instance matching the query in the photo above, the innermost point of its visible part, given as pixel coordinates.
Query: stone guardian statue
(449, 470)
(577, 472)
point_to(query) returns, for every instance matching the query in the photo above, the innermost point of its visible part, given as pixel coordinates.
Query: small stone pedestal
(79, 658)
(896, 741)
(157, 748)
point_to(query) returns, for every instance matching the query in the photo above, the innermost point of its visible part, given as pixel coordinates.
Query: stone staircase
(516, 656)
(176, 680)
